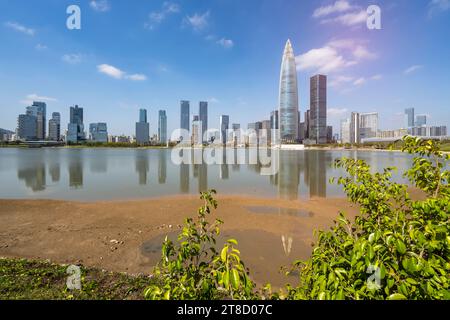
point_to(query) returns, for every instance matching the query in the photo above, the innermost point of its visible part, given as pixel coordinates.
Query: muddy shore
(125, 236)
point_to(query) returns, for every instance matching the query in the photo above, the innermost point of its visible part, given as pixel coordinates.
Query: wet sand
(125, 236)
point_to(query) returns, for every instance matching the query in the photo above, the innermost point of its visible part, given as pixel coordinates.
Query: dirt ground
(124, 236)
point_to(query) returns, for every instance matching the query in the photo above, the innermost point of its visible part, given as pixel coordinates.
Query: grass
(22, 279)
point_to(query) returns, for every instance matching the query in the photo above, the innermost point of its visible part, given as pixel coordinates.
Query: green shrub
(401, 243)
(192, 268)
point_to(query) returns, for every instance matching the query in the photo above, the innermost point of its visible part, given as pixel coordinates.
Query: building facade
(203, 117)
(98, 132)
(39, 110)
(27, 127)
(185, 113)
(75, 130)
(368, 125)
(142, 128)
(345, 131)
(162, 127)
(224, 127)
(288, 98)
(318, 109)
(54, 127)
(409, 118)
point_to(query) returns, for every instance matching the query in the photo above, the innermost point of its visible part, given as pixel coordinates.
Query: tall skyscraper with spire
(288, 106)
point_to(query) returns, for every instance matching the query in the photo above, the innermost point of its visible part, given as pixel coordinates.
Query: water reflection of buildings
(76, 169)
(184, 178)
(99, 163)
(162, 167)
(142, 165)
(55, 167)
(316, 172)
(32, 172)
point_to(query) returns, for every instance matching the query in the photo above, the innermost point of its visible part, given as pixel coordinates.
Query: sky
(152, 54)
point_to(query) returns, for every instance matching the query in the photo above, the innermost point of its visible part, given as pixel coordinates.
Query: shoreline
(125, 236)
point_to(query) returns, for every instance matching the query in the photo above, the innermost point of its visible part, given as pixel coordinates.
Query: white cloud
(349, 19)
(156, 17)
(136, 77)
(213, 100)
(100, 5)
(116, 73)
(338, 6)
(41, 47)
(334, 56)
(412, 69)
(337, 111)
(197, 21)
(340, 80)
(111, 71)
(437, 6)
(72, 58)
(226, 43)
(20, 28)
(360, 81)
(29, 99)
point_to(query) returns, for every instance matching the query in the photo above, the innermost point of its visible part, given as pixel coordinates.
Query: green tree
(397, 248)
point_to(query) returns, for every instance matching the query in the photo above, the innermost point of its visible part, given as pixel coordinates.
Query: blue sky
(152, 54)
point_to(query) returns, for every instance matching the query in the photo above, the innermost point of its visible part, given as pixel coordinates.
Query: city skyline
(228, 72)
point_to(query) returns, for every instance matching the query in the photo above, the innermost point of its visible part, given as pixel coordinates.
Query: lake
(111, 174)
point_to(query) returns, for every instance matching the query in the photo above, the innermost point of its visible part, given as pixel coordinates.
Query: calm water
(105, 174)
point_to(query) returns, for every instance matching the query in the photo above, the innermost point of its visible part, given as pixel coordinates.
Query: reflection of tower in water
(203, 177)
(288, 175)
(184, 178)
(316, 173)
(162, 166)
(142, 165)
(55, 167)
(33, 173)
(76, 170)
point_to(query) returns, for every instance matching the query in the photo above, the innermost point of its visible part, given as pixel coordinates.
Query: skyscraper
(307, 123)
(203, 117)
(224, 126)
(288, 106)
(421, 120)
(409, 117)
(345, 131)
(54, 127)
(368, 125)
(354, 128)
(39, 110)
(142, 128)
(98, 132)
(162, 127)
(143, 115)
(27, 127)
(75, 132)
(318, 109)
(196, 130)
(185, 115)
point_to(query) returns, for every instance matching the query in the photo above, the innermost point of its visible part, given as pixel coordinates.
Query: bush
(397, 248)
(192, 269)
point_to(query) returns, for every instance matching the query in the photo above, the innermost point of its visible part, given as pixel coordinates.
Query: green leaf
(224, 253)
(234, 277)
(396, 296)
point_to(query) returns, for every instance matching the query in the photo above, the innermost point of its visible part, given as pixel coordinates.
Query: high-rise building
(54, 127)
(185, 115)
(421, 120)
(27, 127)
(354, 128)
(75, 130)
(329, 134)
(318, 109)
(368, 125)
(307, 123)
(345, 131)
(98, 132)
(288, 104)
(274, 119)
(142, 128)
(162, 127)
(203, 117)
(196, 131)
(39, 110)
(236, 137)
(409, 117)
(224, 127)
(266, 132)
(143, 115)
